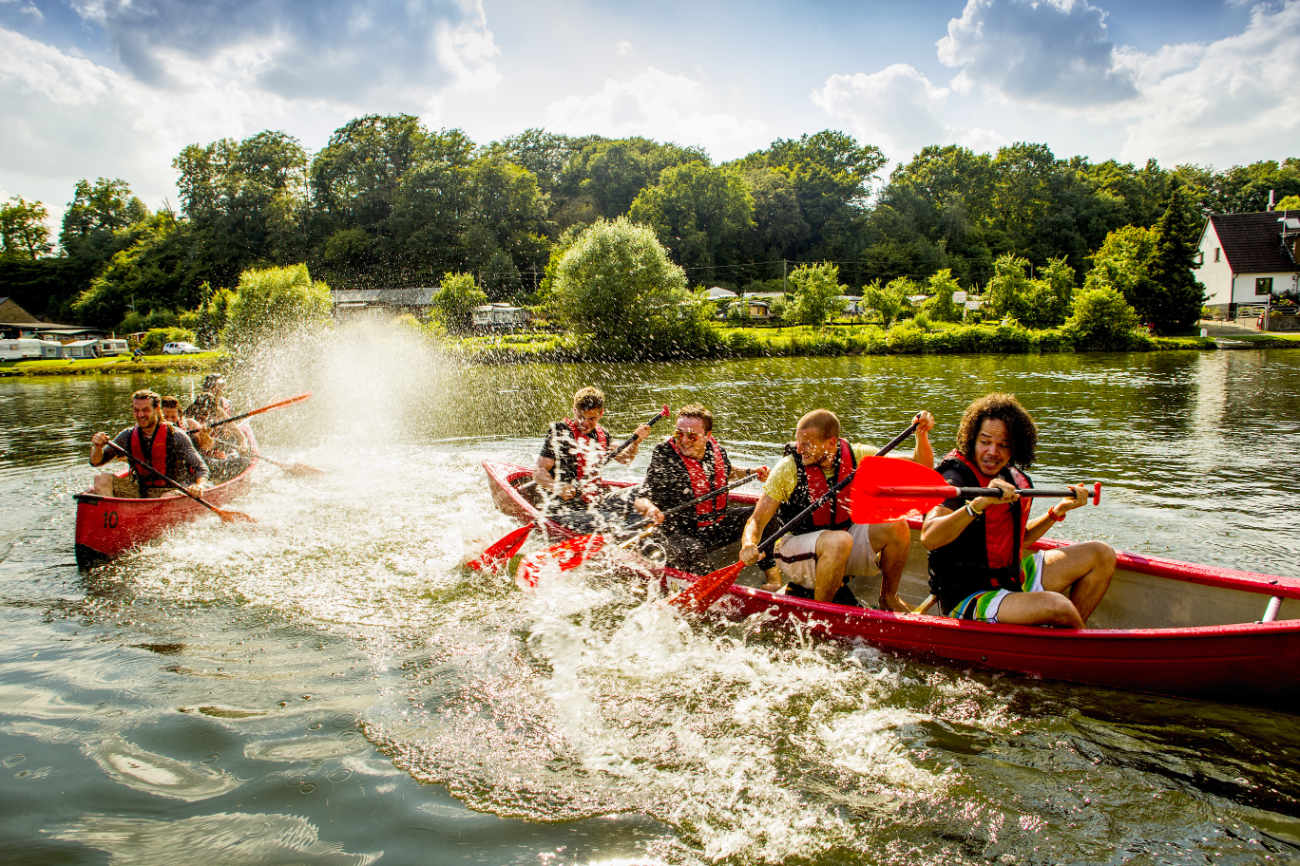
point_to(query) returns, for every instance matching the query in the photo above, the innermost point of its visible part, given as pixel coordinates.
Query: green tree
(1122, 262)
(1047, 301)
(604, 177)
(817, 293)
(23, 232)
(95, 216)
(274, 303)
(1005, 295)
(1290, 202)
(940, 288)
(455, 300)
(889, 300)
(156, 269)
(245, 200)
(1100, 318)
(700, 213)
(1176, 235)
(616, 287)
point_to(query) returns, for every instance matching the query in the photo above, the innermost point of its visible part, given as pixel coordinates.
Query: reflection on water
(328, 685)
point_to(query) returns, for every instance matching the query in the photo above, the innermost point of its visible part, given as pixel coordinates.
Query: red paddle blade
(568, 554)
(873, 502)
(707, 589)
(501, 550)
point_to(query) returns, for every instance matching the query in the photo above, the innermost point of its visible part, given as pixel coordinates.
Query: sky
(116, 88)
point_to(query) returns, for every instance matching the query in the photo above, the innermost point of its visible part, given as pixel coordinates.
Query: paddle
(705, 590)
(240, 417)
(889, 489)
(508, 545)
(292, 468)
(575, 556)
(226, 516)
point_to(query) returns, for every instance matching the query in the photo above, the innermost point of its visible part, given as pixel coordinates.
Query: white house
(1246, 257)
(718, 293)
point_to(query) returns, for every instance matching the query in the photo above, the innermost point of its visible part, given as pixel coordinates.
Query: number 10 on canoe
(885, 490)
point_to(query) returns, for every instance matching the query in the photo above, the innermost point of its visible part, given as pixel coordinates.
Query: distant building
(718, 293)
(393, 302)
(1245, 258)
(500, 317)
(12, 313)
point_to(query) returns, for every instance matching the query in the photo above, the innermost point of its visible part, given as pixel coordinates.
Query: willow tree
(616, 289)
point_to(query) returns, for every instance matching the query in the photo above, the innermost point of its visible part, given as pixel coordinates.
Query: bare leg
(891, 541)
(1039, 608)
(1082, 572)
(833, 549)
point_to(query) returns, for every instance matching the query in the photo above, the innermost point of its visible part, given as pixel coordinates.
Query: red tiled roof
(1252, 242)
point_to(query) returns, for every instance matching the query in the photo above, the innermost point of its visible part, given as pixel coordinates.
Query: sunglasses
(688, 435)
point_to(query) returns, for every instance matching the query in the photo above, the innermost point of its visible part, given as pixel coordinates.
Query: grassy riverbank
(116, 365)
(907, 337)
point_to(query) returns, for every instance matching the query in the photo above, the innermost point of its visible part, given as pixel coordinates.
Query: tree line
(390, 203)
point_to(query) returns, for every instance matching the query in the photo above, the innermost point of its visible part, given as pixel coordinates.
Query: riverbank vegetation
(388, 203)
(123, 364)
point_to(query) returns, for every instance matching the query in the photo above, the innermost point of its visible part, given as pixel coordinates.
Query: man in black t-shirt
(686, 466)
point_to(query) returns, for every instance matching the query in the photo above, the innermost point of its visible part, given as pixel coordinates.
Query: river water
(329, 686)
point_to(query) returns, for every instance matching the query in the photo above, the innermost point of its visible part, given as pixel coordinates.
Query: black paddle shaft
(172, 481)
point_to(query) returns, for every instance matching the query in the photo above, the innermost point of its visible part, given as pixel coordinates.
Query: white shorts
(796, 556)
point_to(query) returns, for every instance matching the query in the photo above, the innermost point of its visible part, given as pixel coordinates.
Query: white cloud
(1233, 99)
(350, 51)
(623, 48)
(661, 106)
(897, 109)
(1053, 51)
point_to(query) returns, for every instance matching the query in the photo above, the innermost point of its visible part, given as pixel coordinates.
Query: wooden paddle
(292, 468)
(889, 489)
(509, 544)
(705, 590)
(226, 515)
(277, 405)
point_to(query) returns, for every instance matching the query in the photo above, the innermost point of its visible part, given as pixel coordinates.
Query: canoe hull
(107, 526)
(1216, 647)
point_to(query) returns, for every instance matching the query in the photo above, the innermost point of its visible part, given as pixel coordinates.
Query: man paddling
(154, 442)
(978, 566)
(826, 547)
(688, 465)
(573, 451)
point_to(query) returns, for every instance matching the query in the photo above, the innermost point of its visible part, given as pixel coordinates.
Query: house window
(1218, 251)
(1263, 285)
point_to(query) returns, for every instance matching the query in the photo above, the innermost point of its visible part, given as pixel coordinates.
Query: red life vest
(157, 456)
(580, 458)
(710, 511)
(1019, 480)
(813, 485)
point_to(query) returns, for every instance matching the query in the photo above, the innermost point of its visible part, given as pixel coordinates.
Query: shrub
(1101, 319)
(156, 338)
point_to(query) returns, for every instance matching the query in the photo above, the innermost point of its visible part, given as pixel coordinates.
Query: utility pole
(784, 289)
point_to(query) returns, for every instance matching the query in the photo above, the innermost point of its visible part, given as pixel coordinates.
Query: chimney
(1270, 199)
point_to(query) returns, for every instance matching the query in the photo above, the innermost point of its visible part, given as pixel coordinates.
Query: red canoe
(1164, 626)
(108, 525)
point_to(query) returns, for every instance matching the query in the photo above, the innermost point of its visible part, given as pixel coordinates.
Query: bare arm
(923, 453)
(763, 512)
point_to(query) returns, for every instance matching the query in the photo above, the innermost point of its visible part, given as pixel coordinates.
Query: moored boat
(1164, 626)
(109, 525)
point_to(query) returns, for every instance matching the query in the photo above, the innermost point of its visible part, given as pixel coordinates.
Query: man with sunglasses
(686, 466)
(826, 548)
